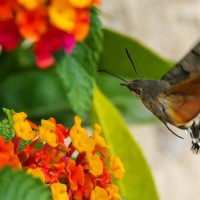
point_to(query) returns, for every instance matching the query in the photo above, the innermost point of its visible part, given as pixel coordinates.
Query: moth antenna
(173, 131)
(101, 70)
(129, 56)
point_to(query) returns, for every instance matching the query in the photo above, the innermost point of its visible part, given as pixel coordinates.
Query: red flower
(53, 40)
(6, 9)
(9, 34)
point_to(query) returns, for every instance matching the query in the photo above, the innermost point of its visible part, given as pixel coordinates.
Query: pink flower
(53, 40)
(9, 34)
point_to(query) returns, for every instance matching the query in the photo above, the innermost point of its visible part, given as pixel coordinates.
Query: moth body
(177, 104)
(150, 92)
(174, 99)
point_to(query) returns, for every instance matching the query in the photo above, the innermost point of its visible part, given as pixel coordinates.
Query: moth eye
(138, 91)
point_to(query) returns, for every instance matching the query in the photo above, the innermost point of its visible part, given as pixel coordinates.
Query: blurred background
(170, 28)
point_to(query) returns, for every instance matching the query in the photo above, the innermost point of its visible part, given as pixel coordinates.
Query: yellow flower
(37, 173)
(81, 4)
(59, 191)
(47, 132)
(116, 167)
(100, 142)
(62, 15)
(79, 137)
(95, 165)
(113, 192)
(22, 127)
(30, 4)
(99, 194)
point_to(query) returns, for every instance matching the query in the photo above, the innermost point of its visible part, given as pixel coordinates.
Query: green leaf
(38, 93)
(78, 69)
(16, 184)
(9, 113)
(137, 182)
(78, 84)
(16, 60)
(6, 130)
(114, 59)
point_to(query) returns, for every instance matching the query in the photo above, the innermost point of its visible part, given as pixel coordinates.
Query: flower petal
(9, 34)
(99, 193)
(47, 132)
(22, 127)
(62, 15)
(59, 191)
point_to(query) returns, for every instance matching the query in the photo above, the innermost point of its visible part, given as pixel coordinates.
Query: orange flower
(76, 175)
(6, 9)
(83, 169)
(97, 1)
(32, 24)
(84, 191)
(7, 156)
(81, 29)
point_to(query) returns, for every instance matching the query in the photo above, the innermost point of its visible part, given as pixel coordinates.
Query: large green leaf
(77, 70)
(114, 59)
(18, 185)
(38, 93)
(137, 182)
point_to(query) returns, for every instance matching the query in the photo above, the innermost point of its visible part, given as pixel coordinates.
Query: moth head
(146, 86)
(134, 87)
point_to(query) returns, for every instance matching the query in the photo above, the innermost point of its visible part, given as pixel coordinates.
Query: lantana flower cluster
(49, 24)
(73, 164)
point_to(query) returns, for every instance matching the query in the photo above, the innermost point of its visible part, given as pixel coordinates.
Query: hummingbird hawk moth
(175, 99)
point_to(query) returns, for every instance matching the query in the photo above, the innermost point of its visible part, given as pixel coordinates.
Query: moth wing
(183, 100)
(181, 110)
(186, 68)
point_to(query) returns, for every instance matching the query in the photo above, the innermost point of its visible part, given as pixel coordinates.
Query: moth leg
(172, 131)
